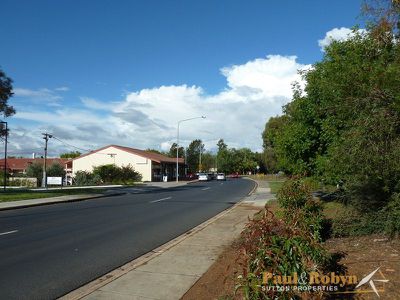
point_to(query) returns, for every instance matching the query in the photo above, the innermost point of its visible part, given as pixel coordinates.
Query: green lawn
(275, 186)
(15, 195)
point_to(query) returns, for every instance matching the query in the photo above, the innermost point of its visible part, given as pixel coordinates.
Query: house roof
(20, 164)
(159, 158)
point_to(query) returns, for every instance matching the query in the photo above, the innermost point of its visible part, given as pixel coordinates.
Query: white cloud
(42, 96)
(95, 104)
(148, 118)
(62, 89)
(337, 34)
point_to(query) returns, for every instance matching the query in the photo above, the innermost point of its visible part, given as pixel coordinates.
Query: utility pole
(46, 137)
(5, 156)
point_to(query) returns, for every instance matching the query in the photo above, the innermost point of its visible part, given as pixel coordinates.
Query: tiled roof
(159, 158)
(20, 164)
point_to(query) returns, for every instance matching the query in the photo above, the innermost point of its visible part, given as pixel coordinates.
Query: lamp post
(177, 143)
(5, 155)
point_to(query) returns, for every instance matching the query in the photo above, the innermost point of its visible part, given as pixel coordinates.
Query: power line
(67, 144)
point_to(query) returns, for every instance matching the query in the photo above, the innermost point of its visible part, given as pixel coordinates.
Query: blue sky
(124, 72)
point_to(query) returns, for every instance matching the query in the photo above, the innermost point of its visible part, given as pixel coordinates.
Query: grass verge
(16, 195)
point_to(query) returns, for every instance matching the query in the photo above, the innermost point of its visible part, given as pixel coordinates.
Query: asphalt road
(48, 251)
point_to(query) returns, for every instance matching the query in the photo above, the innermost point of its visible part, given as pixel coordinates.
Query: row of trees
(225, 159)
(345, 125)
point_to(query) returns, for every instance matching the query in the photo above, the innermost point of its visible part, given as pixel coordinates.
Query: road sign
(54, 180)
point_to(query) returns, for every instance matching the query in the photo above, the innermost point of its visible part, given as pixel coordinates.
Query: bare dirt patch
(362, 255)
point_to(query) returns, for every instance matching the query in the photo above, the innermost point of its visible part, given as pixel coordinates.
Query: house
(152, 166)
(17, 166)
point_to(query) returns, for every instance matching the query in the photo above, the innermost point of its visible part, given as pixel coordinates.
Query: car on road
(204, 177)
(234, 175)
(221, 176)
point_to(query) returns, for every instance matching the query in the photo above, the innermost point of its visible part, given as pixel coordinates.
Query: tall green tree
(35, 170)
(6, 93)
(172, 151)
(345, 125)
(193, 155)
(222, 156)
(71, 154)
(55, 170)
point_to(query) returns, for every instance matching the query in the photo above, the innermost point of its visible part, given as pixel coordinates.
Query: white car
(203, 177)
(221, 176)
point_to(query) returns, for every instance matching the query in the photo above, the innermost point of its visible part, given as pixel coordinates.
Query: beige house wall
(113, 155)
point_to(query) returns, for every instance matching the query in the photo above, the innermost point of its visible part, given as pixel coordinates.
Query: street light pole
(5, 156)
(177, 144)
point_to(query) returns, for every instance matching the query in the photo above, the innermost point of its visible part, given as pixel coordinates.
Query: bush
(35, 170)
(55, 170)
(117, 175)
(279, 247)
(86, 178)
(393, 215)
(299, 206)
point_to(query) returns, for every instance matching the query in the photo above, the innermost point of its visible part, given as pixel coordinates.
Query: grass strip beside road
(16, 195)
(275, 186)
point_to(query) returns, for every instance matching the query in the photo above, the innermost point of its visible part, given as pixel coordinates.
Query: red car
(234, 175)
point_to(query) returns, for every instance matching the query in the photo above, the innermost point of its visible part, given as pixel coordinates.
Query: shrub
(55, 170)
(393, 215)
(352, 222)
(86, 178)
(117, 175)
(35, 170)
(294, 194)
(107, 173)
(129, 175)
(299, 206)
(279, 247)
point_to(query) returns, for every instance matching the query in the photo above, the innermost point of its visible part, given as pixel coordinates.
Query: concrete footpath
(170, 270)
(112, 190)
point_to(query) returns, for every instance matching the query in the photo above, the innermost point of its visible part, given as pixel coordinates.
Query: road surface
(48, 251)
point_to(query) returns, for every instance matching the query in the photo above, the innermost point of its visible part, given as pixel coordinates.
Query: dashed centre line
(8, 232)
(205, 189)
(158, 200)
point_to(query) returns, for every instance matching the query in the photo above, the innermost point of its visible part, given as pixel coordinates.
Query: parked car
(204, 177)
(234, 175)
(221, 176)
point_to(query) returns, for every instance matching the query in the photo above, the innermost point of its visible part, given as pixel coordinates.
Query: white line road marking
(9, 232)
(154, 201)
(205, 189)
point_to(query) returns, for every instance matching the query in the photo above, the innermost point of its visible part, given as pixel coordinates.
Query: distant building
(17, 166)
(152, 166)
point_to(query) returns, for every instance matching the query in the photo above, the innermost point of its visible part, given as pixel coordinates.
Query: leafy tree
(345, 125)
(221, 145)
(5, 94)
(71, 154)
(55, 170)
(155, 151)
(222, 156)
(271, 134)
(35, 170)
(172, 151)
(193, 155)
(207, 161)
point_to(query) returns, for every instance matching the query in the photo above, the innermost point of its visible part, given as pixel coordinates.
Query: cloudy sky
(94, 73)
